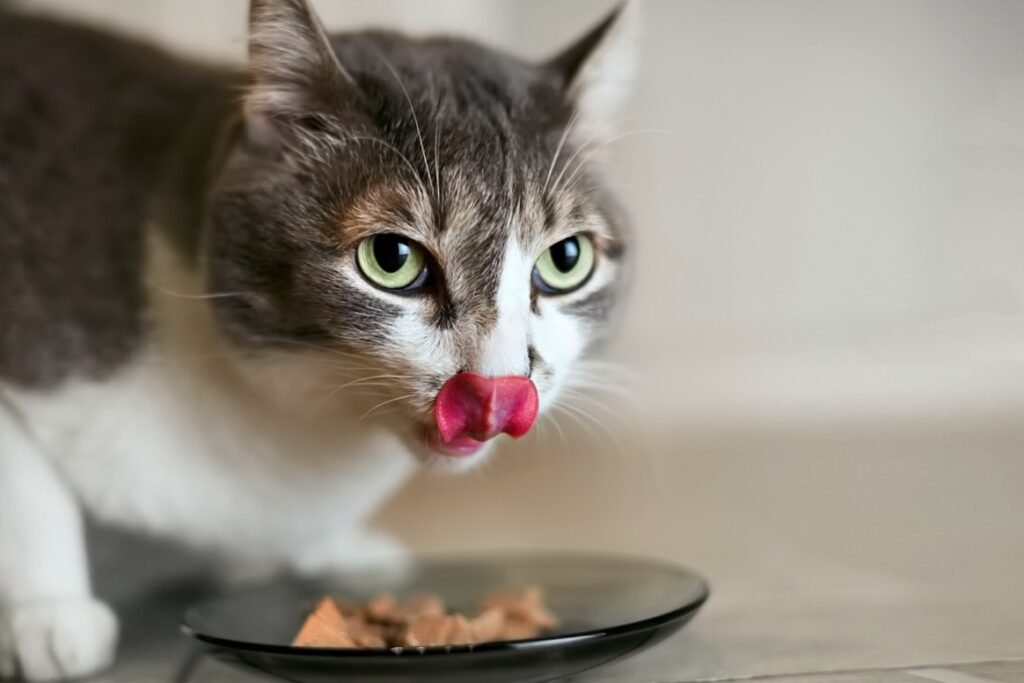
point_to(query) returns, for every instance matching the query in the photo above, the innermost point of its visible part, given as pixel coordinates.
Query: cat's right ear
(296, 83)
(597, 70)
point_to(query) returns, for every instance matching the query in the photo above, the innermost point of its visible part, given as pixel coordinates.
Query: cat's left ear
(296, 82)
(597, 70)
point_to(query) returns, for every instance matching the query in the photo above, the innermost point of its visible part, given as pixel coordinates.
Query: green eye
(392, 262)
(565, 266)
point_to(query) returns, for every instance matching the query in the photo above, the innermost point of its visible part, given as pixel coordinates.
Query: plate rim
(686, 609)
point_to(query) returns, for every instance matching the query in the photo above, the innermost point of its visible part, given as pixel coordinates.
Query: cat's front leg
(352, 551)
(316, 555)
(231, 571)
(51, 626)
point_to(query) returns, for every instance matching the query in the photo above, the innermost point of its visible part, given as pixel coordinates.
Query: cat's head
(418, 224)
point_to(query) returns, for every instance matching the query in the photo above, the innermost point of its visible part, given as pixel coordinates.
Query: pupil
(391, 252)
(566, 254)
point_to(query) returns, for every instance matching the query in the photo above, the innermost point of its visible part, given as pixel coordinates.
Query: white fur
(176, 443)
(57, 638)
(504, 350)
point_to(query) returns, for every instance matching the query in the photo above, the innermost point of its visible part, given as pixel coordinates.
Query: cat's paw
(368, 550)
(56, 639)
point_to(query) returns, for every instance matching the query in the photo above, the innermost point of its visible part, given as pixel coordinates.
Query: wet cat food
(423, 621)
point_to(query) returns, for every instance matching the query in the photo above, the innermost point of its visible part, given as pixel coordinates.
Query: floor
(160, 656)
(153, 652)
(981, 672)
(871, 639)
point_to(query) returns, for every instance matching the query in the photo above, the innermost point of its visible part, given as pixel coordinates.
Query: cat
(234, 302)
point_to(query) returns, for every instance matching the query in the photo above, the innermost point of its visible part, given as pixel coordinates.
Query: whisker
(572, 416)
(388, 145)
(181, 295)
(594, 149)
(601, 382)
(553, 421)
(603, 366)
(582, 401)
(389, 411)
(437, 167)
(358, 390)
(587, 143)
(369, 380)
(558, 149)
(355, 391)
(312, 346)
(169, 358)
(412, 110)
(384, 403)
(437, 162)
(568, 164)
(629, 187)
(586, 420)
(371, 392)
(621, 394)
(613, 416)
(592, 393)
(602, 376)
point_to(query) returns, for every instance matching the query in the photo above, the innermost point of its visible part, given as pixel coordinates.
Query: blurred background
(826, 332)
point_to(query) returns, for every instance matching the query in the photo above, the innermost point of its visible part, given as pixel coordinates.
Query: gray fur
(87, 122)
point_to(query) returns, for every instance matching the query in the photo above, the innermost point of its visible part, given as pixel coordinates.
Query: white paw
(368, 550)
(56, 639)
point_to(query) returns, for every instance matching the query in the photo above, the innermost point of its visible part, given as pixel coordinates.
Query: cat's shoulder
(88, 124)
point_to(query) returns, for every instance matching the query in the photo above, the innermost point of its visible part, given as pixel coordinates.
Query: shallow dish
(610, 607)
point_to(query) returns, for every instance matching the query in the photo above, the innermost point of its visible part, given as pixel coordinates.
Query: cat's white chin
(454, 456)
(459, 447)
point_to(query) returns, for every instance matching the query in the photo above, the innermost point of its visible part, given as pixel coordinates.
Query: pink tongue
(483, 407)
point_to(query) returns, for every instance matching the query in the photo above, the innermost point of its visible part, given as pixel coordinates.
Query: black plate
(610, 608)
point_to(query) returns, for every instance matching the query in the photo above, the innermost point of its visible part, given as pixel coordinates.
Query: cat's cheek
(560, 340)
(422, 350)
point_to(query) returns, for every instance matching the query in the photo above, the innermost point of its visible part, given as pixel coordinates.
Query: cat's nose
(483, 407)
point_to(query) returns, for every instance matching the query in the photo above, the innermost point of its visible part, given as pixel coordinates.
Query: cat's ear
(598, 69)
(295, 79)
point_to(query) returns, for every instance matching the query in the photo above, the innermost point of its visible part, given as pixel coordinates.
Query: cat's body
(105, 356)
(185, 346)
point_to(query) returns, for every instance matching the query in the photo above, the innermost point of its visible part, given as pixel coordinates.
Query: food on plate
(423, 621)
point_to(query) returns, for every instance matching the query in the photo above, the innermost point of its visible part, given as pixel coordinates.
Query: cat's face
(399, 212)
